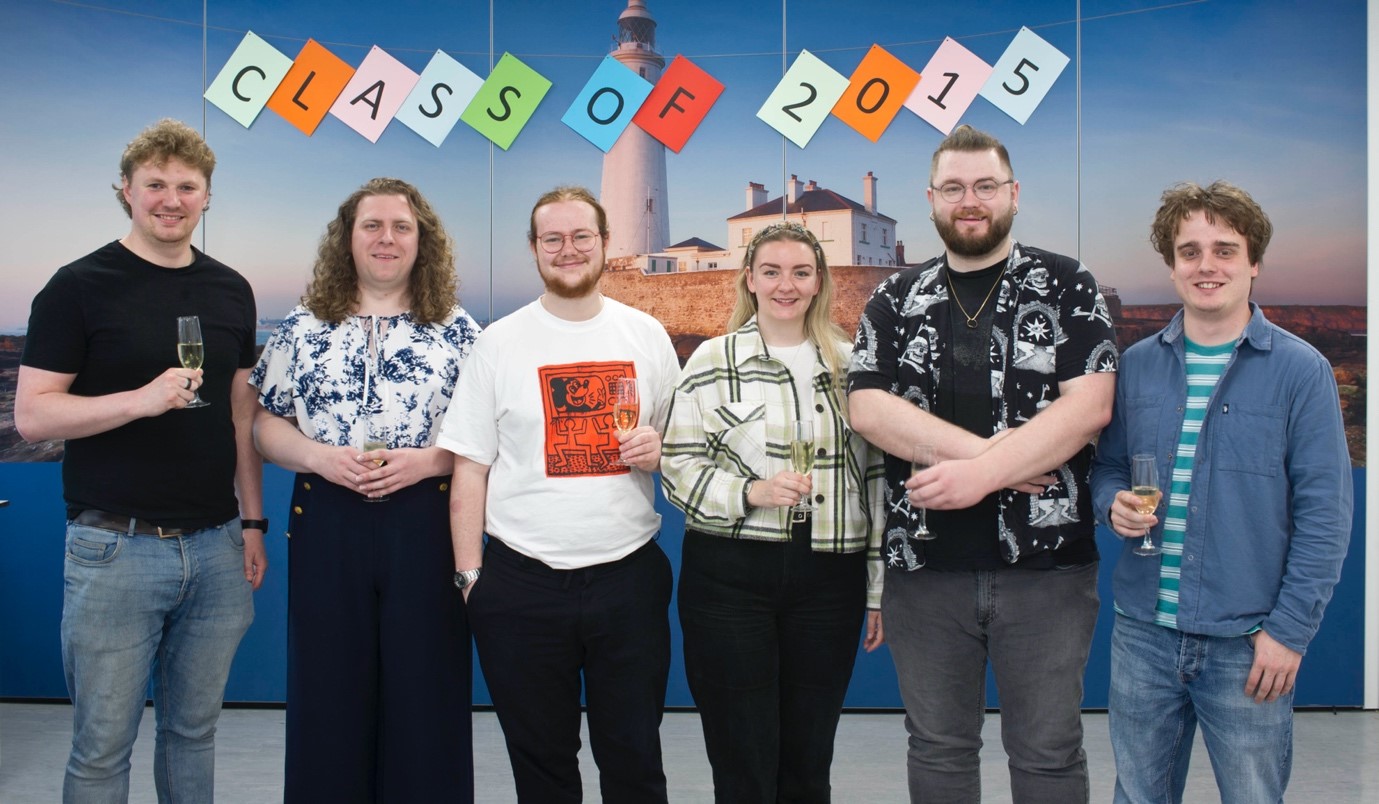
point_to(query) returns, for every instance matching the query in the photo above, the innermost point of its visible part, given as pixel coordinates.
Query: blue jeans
(135, 606)
(1035, 627)
(1163, 682)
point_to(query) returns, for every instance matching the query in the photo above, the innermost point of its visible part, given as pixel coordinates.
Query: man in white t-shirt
(572, 580)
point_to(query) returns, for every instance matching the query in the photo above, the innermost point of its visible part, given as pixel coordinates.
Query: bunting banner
(303, 90)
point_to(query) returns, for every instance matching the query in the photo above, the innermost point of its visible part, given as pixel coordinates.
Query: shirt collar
(1257, 333)
(749, 345)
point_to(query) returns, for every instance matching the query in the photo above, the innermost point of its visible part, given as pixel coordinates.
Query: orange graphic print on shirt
(579, 418)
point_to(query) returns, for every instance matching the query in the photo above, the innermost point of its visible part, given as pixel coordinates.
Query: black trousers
(378, 660)
(538, 629)
(771, 632)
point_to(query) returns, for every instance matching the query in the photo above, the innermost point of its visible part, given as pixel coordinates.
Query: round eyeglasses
(582, 240)
(984, 190)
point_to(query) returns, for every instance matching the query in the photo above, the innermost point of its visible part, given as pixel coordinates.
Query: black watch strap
(253, 524)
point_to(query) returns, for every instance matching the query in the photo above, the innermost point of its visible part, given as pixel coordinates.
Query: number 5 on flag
(1023, 75)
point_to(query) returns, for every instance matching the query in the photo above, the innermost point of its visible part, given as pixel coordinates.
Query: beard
(965, 245)
(572, 287)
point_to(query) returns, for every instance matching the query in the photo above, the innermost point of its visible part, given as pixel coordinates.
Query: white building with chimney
(851, 233)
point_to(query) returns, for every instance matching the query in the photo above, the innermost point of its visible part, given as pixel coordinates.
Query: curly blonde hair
(164, 140)
(333, 293)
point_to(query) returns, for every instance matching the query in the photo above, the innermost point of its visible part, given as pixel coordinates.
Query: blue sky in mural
(1269, 94)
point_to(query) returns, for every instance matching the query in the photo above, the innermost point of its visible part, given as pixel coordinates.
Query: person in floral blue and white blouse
(354, 384)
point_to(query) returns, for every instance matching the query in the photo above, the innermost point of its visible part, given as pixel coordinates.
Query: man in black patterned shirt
(1002, 358)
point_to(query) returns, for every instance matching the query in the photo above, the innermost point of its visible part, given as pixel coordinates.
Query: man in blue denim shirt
(1245, 421)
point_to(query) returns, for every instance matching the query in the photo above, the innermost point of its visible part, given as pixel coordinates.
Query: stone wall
(696, 305)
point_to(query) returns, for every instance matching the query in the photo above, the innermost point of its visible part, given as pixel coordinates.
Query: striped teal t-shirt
(1205, 364)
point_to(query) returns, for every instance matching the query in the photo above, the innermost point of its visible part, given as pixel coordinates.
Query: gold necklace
(972, 319)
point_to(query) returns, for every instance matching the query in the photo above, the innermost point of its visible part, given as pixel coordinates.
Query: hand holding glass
(802, 461)
(1144, 484)
(375, 439)
(191, 351)
(922, 458)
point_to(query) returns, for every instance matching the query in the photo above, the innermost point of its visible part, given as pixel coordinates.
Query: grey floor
(1336, 758)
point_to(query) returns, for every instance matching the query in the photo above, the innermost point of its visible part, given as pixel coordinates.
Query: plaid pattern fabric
(730, 423)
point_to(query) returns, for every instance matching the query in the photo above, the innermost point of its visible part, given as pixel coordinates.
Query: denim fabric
(538, 630)
(1035, 627)
(1269, 517)
(1163, 683)
(137, 605)
(770, 637)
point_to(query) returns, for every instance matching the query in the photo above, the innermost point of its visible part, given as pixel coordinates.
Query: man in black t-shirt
(1002, 358)
(159, 567)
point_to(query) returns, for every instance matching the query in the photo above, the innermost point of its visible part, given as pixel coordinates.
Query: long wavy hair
(333, 293)
(818, 322)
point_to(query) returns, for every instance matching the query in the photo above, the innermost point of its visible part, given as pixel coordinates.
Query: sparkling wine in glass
(626, 407)
(1144, 484)
(802, 461)
(922, 458)
(191, 351)
(375, 439)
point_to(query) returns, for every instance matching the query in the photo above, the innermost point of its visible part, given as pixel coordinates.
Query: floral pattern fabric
(332, 378)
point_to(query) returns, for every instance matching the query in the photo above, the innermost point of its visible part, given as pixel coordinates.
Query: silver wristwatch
(463, 578)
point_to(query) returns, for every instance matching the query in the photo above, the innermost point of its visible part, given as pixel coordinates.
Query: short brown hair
(966, 138)
(164, 140)
(568, 193)
(333, 292)
(1221, 200)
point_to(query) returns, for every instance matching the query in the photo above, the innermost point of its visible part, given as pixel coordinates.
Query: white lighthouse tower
(634, 169)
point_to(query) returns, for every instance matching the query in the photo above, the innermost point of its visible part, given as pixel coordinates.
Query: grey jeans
(1035, 627)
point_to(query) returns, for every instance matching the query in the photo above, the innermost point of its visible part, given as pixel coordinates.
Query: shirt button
(306, 486)
(296, 509)
(819, 498)
(445, 487)
(819, 408)
(821, 453)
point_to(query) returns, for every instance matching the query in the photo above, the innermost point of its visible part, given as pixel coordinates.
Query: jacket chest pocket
(736, 436)
(1248, 438)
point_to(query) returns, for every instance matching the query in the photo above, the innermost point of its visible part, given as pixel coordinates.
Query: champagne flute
(802, 461)
(1144, 484)
(626, 408)
(922, 458)
(191, 351)
(375, 439)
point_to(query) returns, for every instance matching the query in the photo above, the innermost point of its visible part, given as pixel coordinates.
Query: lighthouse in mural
(634, 170)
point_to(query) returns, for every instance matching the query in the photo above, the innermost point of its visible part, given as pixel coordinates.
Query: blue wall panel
(31, 608)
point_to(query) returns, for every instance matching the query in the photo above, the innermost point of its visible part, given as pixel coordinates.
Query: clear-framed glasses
(582, 240)
(983, 189)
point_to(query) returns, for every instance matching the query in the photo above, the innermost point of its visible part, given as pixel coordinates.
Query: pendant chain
(972, 319)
